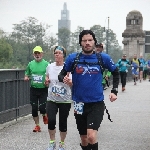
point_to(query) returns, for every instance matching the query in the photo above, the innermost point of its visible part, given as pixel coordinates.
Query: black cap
(85, 32)
(99, 45)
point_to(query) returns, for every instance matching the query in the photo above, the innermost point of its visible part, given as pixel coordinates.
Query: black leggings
(123, 76)
(38, 98)
(145, 72)
(52, 109)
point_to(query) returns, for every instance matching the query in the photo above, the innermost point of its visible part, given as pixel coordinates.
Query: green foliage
(16, 48)
(74, 47)
(114, 50)
(64, 37)
(6, 52)
(98, 31)
(32, 33)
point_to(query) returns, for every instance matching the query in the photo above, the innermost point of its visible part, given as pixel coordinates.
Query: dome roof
(134, 12)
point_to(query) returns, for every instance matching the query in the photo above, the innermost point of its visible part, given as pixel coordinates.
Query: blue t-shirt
(87, 79)
(148, 63)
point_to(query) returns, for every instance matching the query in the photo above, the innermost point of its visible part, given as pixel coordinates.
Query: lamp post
(106, 36)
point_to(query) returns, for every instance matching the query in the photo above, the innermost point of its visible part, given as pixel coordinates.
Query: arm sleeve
(110, 65)
(62, 74)
(115, 74)
(139, 62)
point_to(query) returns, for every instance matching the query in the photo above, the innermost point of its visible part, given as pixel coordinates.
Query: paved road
(130, 129)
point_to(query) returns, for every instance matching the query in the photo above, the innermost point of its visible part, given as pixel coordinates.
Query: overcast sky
(85, 13)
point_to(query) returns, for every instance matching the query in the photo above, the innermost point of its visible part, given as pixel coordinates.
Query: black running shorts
(91, 117)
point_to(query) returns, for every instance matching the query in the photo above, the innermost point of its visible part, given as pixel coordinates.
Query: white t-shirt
(57, 91)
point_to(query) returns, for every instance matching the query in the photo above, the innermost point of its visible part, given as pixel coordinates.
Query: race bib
(78, 107)
(58, 90)
(37, 78)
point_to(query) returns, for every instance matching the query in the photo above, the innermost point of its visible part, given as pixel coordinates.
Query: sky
(85, 13)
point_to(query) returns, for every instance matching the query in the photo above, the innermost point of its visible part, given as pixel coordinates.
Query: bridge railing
(15, 92)
(14, 95)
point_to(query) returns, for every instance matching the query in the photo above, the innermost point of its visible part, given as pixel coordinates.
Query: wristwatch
(114, 90)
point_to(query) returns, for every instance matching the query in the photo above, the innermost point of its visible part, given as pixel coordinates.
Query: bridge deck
(130, 129)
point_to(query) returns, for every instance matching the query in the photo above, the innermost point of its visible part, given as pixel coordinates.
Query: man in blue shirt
(148, 67)
(142, 63)
(87, 89)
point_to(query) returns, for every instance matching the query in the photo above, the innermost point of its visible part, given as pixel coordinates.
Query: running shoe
(123, 88)
(52, 146)
(134, 83)
(104, 88)
(37, 129)
(61, 146)
(45, 119)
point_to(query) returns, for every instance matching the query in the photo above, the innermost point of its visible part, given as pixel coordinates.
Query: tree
(30, 32)
(64, 37)
(74, 47)
(114, 50)
(5, 52)
(98, 31)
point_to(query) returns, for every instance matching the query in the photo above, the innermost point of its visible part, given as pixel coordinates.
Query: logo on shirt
(37, 78)
(86, 69)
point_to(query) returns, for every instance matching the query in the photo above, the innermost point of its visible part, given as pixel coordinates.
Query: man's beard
(37, 58)
(88, 52)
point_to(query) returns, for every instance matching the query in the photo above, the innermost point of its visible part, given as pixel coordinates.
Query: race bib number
(58, 90)
(37, 78)
(78, 107)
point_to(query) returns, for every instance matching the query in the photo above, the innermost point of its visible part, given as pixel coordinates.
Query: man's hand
(67, 80)
(26, 78)
(112, 97)
(106, 77)
(47, 81)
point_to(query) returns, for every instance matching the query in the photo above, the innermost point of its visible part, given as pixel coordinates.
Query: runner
(142, 63)
(123, 65)
(135, 68)
(106, 73)
(38, 91)
(58, 100)
(87, 89)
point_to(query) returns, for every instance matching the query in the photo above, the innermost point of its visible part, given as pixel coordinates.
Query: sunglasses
(37, 53)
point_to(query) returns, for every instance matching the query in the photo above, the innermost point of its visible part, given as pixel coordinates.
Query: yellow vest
(135, 61)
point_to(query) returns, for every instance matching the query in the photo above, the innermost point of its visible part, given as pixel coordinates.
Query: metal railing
(14, 95)
(15, 92)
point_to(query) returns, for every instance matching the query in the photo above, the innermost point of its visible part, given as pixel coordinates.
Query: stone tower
(64, 22)
(133, 35)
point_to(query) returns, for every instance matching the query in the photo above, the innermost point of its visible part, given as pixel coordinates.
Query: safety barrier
(15, 92)
(14, 95)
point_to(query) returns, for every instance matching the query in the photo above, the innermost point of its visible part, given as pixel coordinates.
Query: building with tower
(64, 22)
(133, 35)
(147, 42)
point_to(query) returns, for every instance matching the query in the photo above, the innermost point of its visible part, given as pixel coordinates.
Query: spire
(65, 6)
